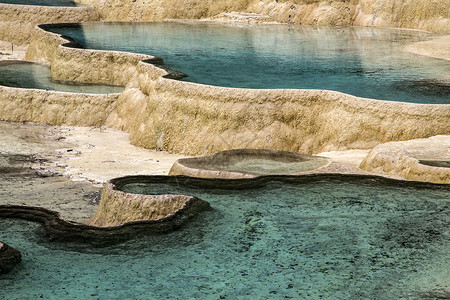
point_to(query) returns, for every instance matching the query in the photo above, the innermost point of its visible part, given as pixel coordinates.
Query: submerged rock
(9, 258)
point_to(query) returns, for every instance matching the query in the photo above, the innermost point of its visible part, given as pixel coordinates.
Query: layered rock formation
(58, 229)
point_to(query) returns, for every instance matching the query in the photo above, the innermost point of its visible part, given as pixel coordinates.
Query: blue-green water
(41, 2)
(366, 62)
(329, 239)
(36, 76)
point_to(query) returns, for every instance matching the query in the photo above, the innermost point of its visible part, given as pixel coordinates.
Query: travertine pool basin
(242, 163)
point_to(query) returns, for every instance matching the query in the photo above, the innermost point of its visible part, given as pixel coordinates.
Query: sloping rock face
(9, 258)
(415, 14)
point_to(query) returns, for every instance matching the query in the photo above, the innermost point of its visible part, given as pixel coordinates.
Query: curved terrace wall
(415, 14)
(17, 21)
(117, 207)
(57, 228)
(194, 118)
(55, 108)
(68, 62)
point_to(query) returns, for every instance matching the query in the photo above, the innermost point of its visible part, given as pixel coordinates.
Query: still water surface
(333, 238)
(36, 76)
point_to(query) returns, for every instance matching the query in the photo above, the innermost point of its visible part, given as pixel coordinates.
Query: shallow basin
(30, 75)
(240, 163)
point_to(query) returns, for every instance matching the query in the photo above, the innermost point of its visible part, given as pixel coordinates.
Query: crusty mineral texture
(9, 258)
(53, 107)
(419, 159)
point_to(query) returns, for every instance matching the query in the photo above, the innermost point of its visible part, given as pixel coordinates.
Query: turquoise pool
(312, 237)
(29, 75)
(365, 62)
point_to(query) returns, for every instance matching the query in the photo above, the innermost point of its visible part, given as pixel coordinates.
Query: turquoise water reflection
(330, 237)
(41, 2)
(366, 62)
(36, 76)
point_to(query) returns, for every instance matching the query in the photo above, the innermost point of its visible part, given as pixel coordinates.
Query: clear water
(41, 2)
(36, 76)
(366, 62)
(329, 239)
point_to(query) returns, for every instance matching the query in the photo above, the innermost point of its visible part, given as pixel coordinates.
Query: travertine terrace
(160, 112)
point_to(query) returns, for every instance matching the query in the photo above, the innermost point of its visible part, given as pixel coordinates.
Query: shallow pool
(366, 62)
(330, 237)
(41, 2)
(36, 76)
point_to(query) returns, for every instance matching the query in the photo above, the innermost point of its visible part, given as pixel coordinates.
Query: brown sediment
(59, 168)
